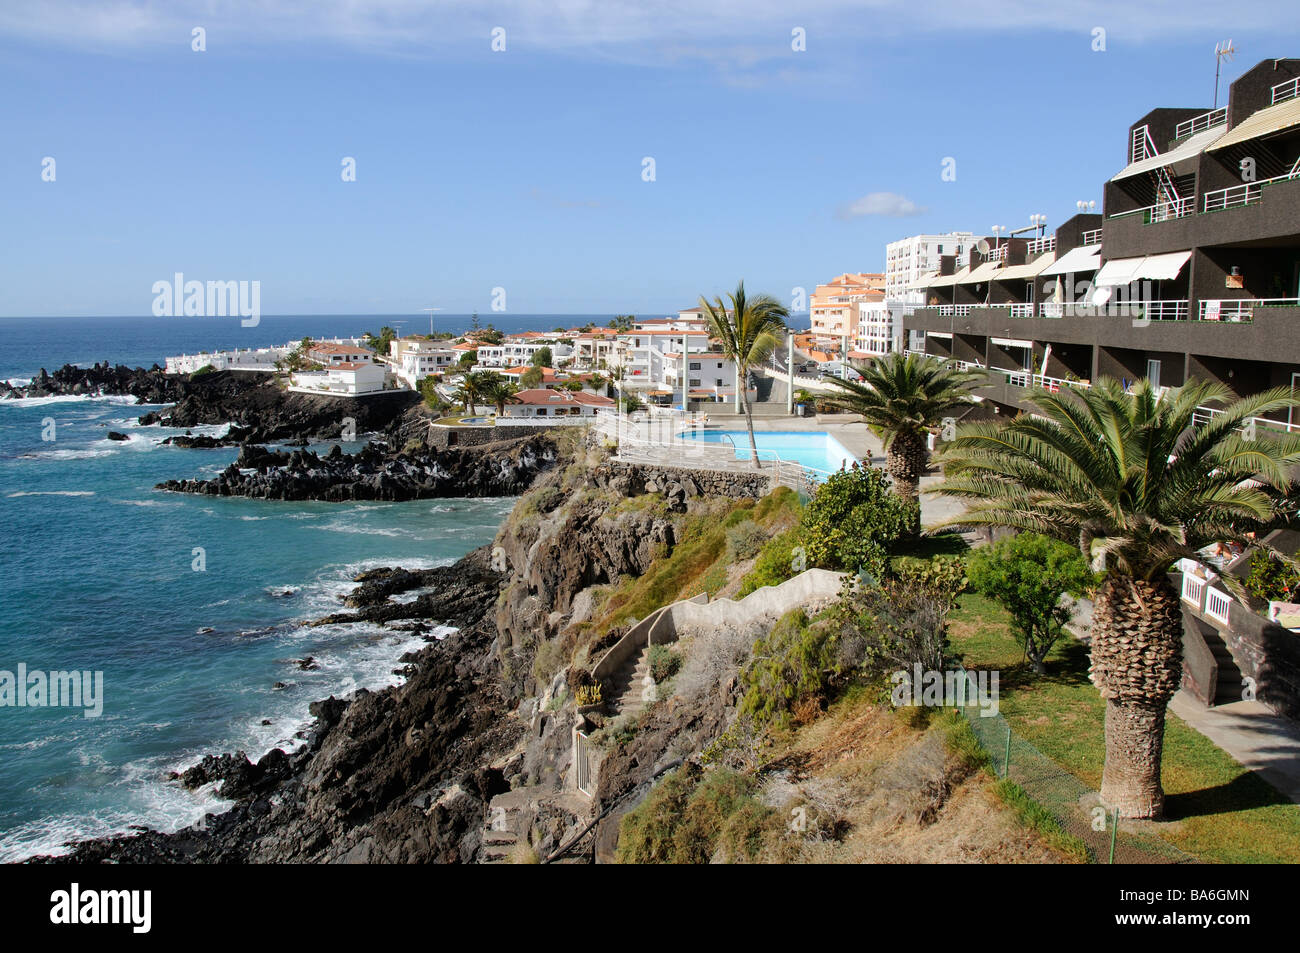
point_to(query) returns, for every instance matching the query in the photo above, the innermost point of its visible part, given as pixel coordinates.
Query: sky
(789, 141)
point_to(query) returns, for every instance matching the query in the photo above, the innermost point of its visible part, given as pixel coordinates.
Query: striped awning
(1190, 147)
(1263, 123)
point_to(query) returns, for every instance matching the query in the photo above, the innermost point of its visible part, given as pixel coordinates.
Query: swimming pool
(815, 449)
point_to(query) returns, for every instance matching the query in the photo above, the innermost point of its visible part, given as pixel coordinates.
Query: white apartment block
(908, 259)
(517, 353)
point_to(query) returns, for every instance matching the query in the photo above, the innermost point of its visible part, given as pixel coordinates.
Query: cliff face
(149, 386)
(270, 413)
(408, 774)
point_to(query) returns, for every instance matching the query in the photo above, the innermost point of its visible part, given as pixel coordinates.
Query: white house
(332, 355)
(563, 404)
(514, 353)
(346, 379)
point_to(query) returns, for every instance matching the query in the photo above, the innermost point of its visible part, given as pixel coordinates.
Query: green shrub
(853, 522)
(1271, 579)
(796, 662)
(744, 540)
(1028, 574)
(205, 369)
(689, 814)
(664, 662)
(781, 558)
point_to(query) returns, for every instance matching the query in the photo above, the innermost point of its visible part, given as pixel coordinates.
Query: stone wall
(633, 479)
(1270, 655)
(444, 437)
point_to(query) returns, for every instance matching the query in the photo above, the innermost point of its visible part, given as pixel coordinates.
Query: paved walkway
(1252, 734)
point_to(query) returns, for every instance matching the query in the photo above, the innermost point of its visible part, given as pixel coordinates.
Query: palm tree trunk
(1137, 666)
(905, 461)
(749, 423)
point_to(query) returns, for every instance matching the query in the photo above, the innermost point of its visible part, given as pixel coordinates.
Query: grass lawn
(1216, 809)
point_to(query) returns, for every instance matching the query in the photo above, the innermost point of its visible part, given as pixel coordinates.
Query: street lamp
(1040, 221)
(1083, 206)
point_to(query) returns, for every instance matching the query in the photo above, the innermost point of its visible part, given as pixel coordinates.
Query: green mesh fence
(1075, 806)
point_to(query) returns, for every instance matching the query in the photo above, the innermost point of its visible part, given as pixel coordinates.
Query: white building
(515, 353)
(551, 404)
(414, 358)
(331, 354)
(907, 259)
(347, 379)
(246, 359)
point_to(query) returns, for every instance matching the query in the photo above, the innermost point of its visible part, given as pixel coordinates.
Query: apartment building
(833, 309)
(907, 259)
(1191, 272)
(521, 350)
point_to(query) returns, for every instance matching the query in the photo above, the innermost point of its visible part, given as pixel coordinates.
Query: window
(718, 382)
(541, 412)
(695, 365)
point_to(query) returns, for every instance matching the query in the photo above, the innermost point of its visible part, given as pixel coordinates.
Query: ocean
(191, 607)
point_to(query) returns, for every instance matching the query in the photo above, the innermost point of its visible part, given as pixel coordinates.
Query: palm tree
(1131, 479)
(495, 389)
(903, 398)
(747, 332)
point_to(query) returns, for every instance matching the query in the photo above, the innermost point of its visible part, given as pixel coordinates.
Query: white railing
(1054, 384)
(962, 310)
(1218, 605)
(1164, 211)
(1189, 127)
(1164, 310)
(1141, 146)
(999, 253)
(1241, 310)
(663, 442)
(1193, 588)
(1041, 246)
(1235, 196)
(1203, 415)
(1287, 90)
(945, 311)
(1092, 236)
(1022, 310)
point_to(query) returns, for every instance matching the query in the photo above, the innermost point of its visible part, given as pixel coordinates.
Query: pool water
(815, 449)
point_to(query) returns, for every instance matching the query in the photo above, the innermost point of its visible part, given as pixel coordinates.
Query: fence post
(1114, 832)
(1006, 764)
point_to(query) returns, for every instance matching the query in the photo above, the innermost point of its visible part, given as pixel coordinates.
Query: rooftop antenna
(431, 310)
(1222, 51)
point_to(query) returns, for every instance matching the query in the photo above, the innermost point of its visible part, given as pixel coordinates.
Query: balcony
(1041, 246)
(1246, 194)
(1215, 117)
(1241, 310)
(1092, 236)
(1203, 415)
(1173, 310)
(1284, 91)
(999, 253)
(1161, 211)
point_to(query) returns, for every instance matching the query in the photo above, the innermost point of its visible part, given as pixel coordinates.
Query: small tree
(531, 377)
(854, 520)
(541, 357)
(1028, 575)
(469, 358)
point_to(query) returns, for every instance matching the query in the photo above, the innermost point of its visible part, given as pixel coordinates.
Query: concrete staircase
(632, 684)
(1228, 687)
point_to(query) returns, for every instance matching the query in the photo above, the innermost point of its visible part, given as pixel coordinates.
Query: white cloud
(884, 204)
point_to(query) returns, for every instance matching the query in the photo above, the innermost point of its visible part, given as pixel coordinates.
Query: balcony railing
(1041, 246)
(1164, 211)
(999, 253)
(1287, 90)
(1241, 310)
(1237, 195)
(1215, 117)
(1024, 378)
(1203, 415)
(1164, 310)
(1022, 310)
(1092, 236)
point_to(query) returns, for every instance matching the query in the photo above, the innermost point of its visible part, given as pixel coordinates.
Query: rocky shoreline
(389, 776)
(375, 472)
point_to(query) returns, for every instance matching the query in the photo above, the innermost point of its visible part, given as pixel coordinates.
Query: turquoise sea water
(98, 575)
(817, 450)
